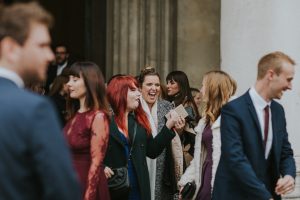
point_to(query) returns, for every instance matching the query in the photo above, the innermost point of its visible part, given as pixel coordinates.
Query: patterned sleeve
(99, 141)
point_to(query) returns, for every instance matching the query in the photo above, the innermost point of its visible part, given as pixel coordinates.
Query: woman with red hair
(129, 119)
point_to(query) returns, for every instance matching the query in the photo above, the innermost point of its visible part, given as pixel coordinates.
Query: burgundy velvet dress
(87, 134)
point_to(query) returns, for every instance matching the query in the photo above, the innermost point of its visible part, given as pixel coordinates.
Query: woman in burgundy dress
(87, 128)
(217, 89)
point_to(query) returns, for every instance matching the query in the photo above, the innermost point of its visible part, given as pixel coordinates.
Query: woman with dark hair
(58, 94)
(178, 90)
(87, 128)
(217, 89)
(130, 139)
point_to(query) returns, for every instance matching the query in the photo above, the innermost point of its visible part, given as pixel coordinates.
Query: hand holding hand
(108, 172)
(285, 185)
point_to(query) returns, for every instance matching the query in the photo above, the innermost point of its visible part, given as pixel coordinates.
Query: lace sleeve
(99, 141)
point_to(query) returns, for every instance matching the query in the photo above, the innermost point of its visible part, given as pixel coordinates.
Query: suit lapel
(254, 117)
(131, 124)
(5, 81)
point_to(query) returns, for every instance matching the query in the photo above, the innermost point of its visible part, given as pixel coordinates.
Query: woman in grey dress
(156, 109)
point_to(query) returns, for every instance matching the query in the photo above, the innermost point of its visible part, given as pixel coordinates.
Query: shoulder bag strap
(134, 133)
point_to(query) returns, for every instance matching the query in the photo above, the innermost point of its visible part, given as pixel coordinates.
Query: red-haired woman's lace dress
(87, 135)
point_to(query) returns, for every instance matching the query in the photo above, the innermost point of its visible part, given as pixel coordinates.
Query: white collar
(11, 75)
(257, 99)
(63, 65)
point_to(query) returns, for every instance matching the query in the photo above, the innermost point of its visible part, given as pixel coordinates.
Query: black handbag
(188, 191)
(119, 183)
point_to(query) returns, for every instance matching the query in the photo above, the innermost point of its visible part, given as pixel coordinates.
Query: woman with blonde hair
(217, 88)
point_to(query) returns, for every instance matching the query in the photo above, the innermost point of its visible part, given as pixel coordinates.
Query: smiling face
(133, 98)
(150, 89)
(77, 88)
(282, 81)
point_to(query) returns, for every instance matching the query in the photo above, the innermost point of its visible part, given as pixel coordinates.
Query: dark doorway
(80, 25)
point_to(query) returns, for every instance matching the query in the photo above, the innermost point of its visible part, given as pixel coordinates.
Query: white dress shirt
(259, 105)
(11, 75)
(60, 68)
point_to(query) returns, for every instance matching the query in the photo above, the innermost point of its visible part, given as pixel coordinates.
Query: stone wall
(198, 38)
(249, 30)
(140, 33)
(168, 34)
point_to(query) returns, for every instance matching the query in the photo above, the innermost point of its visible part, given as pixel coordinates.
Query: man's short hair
(16, 19)
(272, 61)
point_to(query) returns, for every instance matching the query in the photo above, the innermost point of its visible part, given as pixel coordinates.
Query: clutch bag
(188, 191)
(119, 182)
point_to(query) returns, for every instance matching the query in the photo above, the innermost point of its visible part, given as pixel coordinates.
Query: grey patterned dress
(161, 191)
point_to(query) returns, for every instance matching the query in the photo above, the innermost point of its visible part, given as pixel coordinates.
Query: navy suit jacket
(35, 162)
(243, 171)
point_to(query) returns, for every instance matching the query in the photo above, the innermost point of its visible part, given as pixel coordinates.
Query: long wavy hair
(95, 88)
(219, 87)
(117, 90)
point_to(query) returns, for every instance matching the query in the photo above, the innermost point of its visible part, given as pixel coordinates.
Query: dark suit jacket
(35, 161)
(51, 75)
(143, 146)
(243, 171)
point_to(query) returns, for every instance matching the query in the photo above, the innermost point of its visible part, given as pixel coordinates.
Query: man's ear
(270, 74)
(10, 49)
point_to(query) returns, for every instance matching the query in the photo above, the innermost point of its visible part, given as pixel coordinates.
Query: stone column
(198, 38)
(139, 33)
(249, 30)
